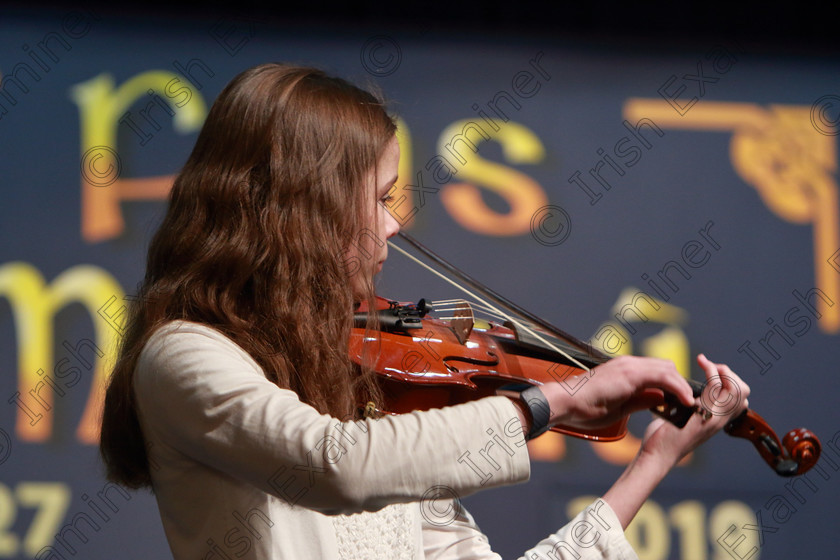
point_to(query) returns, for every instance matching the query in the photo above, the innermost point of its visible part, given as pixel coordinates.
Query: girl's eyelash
(388, 197)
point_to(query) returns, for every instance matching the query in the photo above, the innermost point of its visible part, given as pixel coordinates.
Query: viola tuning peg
(787, 467)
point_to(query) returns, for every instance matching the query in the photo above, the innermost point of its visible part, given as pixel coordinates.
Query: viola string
(474, 307)
(514, 321)
(447, 304)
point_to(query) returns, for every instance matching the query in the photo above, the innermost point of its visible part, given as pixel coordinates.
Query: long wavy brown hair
(253, 243)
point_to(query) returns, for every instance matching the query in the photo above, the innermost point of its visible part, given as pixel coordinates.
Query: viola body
(425, 362)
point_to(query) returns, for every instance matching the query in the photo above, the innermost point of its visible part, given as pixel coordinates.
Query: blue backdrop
(570, 176)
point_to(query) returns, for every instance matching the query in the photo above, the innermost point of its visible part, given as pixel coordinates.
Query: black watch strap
(537, 404)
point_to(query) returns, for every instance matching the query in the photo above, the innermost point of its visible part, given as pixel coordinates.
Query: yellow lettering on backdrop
(780, 153)
(34, 305)
(101, 106)
(695, 527)
(524, 195)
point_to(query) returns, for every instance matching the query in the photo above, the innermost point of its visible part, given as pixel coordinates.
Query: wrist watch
(540, 411)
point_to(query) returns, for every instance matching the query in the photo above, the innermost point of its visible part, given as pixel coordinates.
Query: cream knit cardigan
(243, 469)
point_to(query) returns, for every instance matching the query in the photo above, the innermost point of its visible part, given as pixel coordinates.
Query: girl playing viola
(234, 397)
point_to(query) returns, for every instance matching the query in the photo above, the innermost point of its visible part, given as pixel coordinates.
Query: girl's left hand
(724, 397)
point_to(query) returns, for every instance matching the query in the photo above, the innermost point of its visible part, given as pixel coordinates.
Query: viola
(435, 355)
